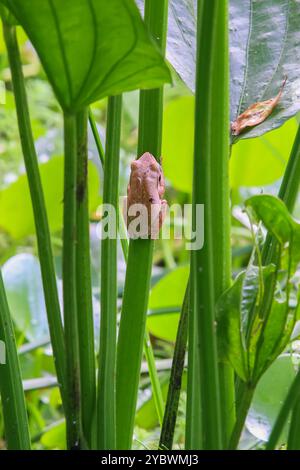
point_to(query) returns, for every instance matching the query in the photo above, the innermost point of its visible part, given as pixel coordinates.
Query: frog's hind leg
(163, 212)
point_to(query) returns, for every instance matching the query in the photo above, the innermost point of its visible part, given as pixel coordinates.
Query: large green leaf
(55, 437)
(16, 216)
(91, 48)
(252, 346)
(274, 215)
(24, 289)
(264, 46)
(275, 335)
(231, 338)
(270, 392)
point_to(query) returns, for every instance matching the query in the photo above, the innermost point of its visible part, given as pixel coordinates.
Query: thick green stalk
(169, 422)
(155, 383)
(12, 394)
(193, 429)
(84, 282)
(148, 350)
(131, 337)
(241, 415)
(106, 402)
(212, 46)
(138, 274)
(73, 399)
(220, 193)
(38, 205)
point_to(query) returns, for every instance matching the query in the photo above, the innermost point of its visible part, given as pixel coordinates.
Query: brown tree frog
(144, 208)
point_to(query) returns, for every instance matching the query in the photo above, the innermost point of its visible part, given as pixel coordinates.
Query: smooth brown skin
(147, 187)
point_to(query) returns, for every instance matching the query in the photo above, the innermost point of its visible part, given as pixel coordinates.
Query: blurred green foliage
(255, 164)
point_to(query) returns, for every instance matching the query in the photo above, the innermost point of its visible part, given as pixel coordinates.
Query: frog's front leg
(158, 214)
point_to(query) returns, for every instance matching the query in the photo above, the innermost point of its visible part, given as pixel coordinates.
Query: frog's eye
(159, 178)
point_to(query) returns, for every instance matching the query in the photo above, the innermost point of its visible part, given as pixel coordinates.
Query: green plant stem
(38, 205)
(106, 409)
(288, 405)
(294, 432)
(12, 394)
(131, 337)
(220, 201)
(84, 282)
(138, 274)
(241, 414)
(169, 422)
(155, 383)
(96, 137)
(156, 388)
(148, 350)
(193, 432)
(73, 404)
(290, 183)
(206, 261)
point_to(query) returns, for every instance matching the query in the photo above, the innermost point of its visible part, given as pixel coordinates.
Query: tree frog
(144, 208)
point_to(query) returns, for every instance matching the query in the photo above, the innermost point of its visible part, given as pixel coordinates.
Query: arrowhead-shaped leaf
(91, 48)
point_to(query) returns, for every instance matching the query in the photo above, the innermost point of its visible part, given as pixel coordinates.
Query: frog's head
(152, 170)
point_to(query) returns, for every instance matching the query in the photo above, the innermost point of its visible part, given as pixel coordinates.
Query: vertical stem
(73, 405)
(138, 274)
(193, 429)
(38, 205)
(12, 395)
(212, 46)
(169, 422)
(84, 283)
(290, 183)
(241, 415)
(220, 198)
(294, 432)
(106, 409)
(131, 337)
(96, 137)
(156, 388)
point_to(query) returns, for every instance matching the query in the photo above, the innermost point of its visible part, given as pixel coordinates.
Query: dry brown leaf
(256, 113)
